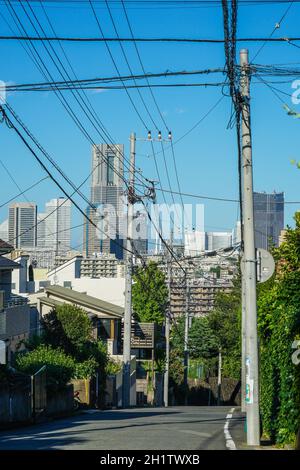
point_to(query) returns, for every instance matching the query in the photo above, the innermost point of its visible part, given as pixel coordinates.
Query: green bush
(67, 327)
(60, 367)
(113, 367)
(280, 378)
(86, 369)
(279, 326)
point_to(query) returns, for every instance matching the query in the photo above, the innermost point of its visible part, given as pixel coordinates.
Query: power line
(151, 40)
(128, 64)
(277, 26)
(45, 72)
(115, 64)
(22, 192)
(143, 4)
(112, 79)
(69, 197)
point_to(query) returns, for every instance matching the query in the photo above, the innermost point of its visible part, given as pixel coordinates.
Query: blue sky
(207, 157)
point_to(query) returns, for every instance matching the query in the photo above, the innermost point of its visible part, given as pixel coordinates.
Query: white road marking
(229, 441)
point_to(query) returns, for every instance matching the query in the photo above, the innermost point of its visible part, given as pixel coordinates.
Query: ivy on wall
(279, 326)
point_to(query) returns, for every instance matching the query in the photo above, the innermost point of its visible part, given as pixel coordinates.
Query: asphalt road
(181, 428)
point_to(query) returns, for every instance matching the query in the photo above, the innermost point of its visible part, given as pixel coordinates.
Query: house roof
(84, 300)
(6, 263)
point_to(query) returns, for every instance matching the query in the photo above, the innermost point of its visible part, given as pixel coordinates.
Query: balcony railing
(15, 300)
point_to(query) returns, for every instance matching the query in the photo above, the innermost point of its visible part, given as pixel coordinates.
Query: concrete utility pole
(186, 338)
(219, 376)
(243, 339)
(249, 259)
(128, 279)
(167, 336)
(167, 325)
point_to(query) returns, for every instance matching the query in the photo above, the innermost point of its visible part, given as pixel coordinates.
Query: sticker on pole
(249, 392)
(249, 383)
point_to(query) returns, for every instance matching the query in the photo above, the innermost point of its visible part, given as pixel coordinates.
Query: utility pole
(167, 326)
(128, 279)
(249, 259)
(167, 336)
(186, 339)
(219, 376)
(243, 339)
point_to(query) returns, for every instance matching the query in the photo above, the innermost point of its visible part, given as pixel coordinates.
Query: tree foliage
(59, 366)
(67, 327)
(202, 341)
(225, 322)
(149, 294)
(279, 326)
(66, 340)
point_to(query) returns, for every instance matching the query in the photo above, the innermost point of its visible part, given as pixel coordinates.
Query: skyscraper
(4, 230)
(237, 233)
(107, 196)
(22, 228)
(41, 230)
(268, 218)
(56, 228)
(194, 242)
(108, 172)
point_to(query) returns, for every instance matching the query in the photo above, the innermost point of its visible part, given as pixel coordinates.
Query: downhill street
(180, 428)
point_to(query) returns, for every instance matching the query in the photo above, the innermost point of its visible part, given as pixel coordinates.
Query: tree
(225, 322)
(149, 294)
(202, 341)
(67, 327)
(68, 330)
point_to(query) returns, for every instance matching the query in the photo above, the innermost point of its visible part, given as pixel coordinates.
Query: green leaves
(202, 340)
(278, 325)
(66, 347)
(60, 367)
(149, 294)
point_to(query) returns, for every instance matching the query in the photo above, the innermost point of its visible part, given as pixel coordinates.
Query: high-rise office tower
(22, 228)
(56, 228)
(237, 233)
(194, 242)
(41, 229)
(107, 190)
(268, 218)
(108, 173)
(4, 231)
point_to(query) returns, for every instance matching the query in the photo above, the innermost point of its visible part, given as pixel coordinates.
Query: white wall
(66, 272)
(109, 289)
(19, 276)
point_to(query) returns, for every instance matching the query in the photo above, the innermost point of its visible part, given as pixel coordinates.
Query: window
(104, 329)
(110, 168)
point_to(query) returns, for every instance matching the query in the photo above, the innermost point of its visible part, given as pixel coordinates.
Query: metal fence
(38, 392)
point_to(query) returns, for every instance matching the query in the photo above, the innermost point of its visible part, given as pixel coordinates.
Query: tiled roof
(85, 300)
